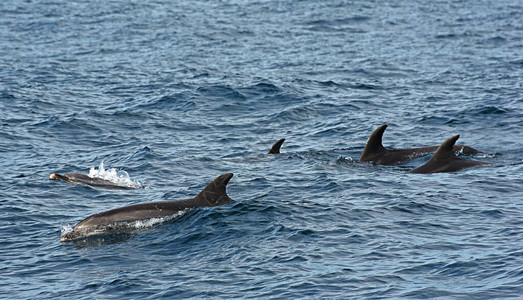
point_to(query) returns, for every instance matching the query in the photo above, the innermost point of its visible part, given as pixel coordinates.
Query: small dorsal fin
(374, 144)
(445, 150)
(215, 193)
(275, 149)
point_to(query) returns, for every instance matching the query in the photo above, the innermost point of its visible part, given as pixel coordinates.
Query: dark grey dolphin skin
(275, 149)
(109, 221)
(77, 178)
(445, 160)
(376, 153)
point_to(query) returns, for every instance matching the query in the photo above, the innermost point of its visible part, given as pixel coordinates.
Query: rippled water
(177, 93)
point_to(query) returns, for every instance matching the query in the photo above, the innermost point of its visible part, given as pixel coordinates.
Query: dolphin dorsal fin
(374, 144)
(215, 193)
(445, 150)
(275, 149)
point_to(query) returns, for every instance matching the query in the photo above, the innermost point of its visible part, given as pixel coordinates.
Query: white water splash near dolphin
(119, 177)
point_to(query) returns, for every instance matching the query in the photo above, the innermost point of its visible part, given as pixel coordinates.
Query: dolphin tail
(374, 144)
(275, 149)
(215, 193)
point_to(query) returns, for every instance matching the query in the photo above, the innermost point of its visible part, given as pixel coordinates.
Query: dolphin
(445, 160)
(275, 149)
(77, 178)
(115, 220)
(376, 153)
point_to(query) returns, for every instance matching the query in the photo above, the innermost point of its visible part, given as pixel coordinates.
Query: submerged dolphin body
(114, 220)
(376, 153)
(275, 149)
(445, 160)
(77, 178)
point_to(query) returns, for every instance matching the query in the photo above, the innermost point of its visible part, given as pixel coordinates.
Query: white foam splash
(485, 155)
(147, 223)
(119, 177)
(66, 229)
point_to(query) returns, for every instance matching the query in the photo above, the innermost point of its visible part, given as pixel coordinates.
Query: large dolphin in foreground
(445, 160)
(376, 153)
(77, 178)
(115, 220)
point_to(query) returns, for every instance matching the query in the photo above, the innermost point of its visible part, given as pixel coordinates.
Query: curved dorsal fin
(445, 150)
(275, 149)
(215, 193)
(374, 144)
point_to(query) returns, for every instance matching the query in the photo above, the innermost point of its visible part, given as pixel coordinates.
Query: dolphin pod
(376, 153)
(214, 194)
(444, 159)
(77, 178)
(110, 221)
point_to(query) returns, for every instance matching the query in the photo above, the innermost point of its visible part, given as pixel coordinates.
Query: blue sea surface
(176, 93)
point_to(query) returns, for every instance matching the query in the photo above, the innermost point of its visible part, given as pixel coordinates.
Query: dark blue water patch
(261, 90)
(430, 293)
(495, 41)
(440, 120)
(489, 110)
(344, 85)
(493, 213)
(354, 24)
(294, 114)
(342, 21)
(181, 102)
(145, 153)
(6, 96)
(517, 62)
(221, 93)
(416, 208)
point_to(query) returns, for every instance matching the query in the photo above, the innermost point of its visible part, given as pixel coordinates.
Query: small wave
(182, 102)
(262, 89)
(4, 95)
(496, 40)
(339, 22)
(488, 110)
(221, 92)
(119, 177)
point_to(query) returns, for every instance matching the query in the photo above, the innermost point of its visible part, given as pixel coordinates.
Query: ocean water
(171, 94)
